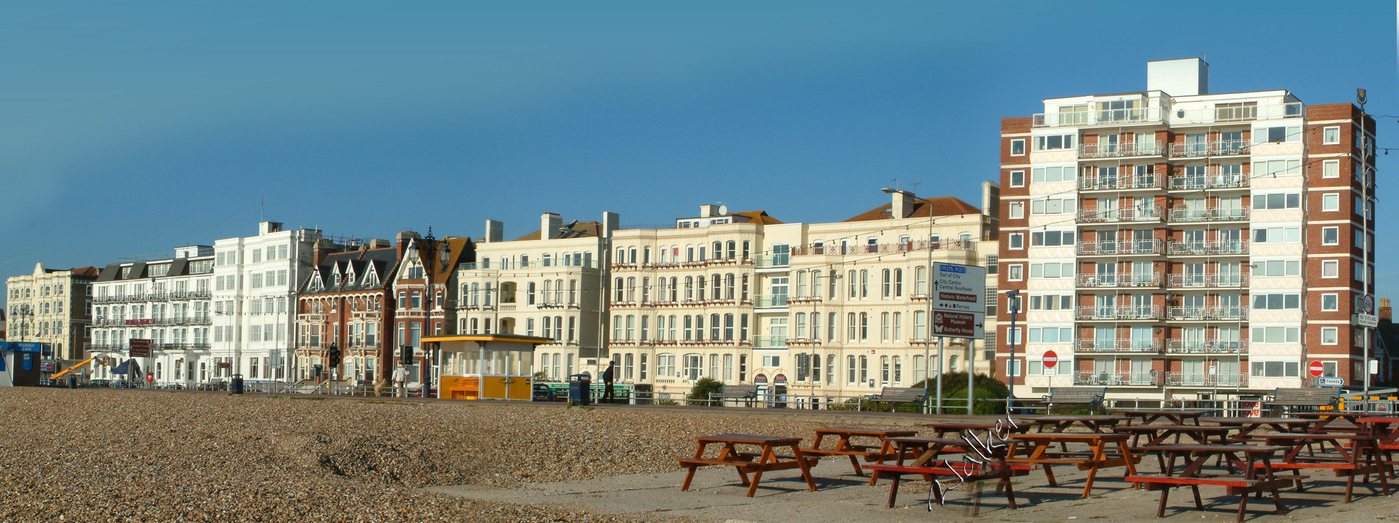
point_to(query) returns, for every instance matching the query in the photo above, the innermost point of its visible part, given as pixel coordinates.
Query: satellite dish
(723, 209)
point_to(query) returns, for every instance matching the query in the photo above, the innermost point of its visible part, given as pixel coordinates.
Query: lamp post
(1014, 296)
(429, 251)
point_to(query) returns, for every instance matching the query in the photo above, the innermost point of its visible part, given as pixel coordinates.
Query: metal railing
(1218, 248)
(1180, 379)
(1148, 214)
(1195, 183)
(1148, 346)
(1119, 378)
(1118, 248)
(768, 261)
(1119, 150)
(1178, 346)
(1181, 214)
(1128, 312)
(769, 342)
(952, 244)
(505, 264)
(1214, 148)
(770, 301)
(1100, 182)
(1206, 281)
(1094, 116)
(1207, 313)
(1126, 279)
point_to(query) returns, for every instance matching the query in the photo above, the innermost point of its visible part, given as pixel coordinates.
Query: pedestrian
(400, 378)
(607, 394)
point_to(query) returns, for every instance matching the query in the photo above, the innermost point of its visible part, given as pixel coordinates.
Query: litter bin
(542, 392)
(580, 390)
(235, 386)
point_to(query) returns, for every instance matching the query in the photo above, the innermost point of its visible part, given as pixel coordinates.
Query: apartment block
(425, 291)
(348, 302)
(165, 300)
(52, 306)
(1176, 243)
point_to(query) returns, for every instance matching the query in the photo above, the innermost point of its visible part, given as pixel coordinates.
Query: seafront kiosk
(486, 366)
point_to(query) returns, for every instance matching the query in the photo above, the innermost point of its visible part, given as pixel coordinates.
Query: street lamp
(928, 320)
(429, 251)
(1014, 296)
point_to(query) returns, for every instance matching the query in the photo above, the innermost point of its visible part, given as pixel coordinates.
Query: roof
(758, 217)
(942, 206)
(383, 261)
(487, 338)
(576, 229)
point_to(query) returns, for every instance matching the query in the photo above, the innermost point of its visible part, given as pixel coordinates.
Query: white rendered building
(166, 301)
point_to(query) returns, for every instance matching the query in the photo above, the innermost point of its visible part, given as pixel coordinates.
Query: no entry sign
(1315, 369)
(1050, 359)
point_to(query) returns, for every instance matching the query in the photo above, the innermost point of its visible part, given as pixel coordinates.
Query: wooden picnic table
(1157, 434)
(1386, 430)
(1246, 426)
(942, 428)
(1360, 457)
(768, 458)
(877, 453)
(1058, 423)
(1036, 452)
(1327, 420)
(1175, 416)
(927, 451)
(1248, 458)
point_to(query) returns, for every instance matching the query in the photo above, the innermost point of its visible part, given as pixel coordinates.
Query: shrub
(954, 393)
(699, 393)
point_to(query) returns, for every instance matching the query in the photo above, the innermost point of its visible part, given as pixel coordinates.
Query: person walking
(400, 377)
(607, 395)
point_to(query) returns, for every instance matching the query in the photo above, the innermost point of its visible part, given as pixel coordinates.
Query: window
(692, 366)
(1277, 235)
(1052, 174)
(1049, 143)
(1331, 169)
(1277, 134)
(1329, 302)
(1051, 238)
(1329, 335)
(1330, 236)
(1330, 269)
(1276, 369)
(1017, 147)
(1277, 301)
(1277, 268)
(1017, 240)
(1015, 272)
(1017, 178)
(1017, 210)
(665, 365)
(1275, 335)
(1052, 206)
(1330, 135)
(1277, 201)
(772, 360)
(1052, 270)
(1014, 369)
(1331, 202)
(1277, 168)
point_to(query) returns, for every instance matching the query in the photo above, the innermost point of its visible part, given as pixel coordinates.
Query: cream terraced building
(55, 307)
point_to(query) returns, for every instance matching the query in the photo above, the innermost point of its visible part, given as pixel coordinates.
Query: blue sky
(132, 128)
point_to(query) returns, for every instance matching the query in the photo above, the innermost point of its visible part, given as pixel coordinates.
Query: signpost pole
(939, 410)
(971, 373)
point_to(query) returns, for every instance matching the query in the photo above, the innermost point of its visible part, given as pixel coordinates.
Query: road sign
(1367, 320)
(1050, 359)
(1315, 368)
(140, 348)
(957, 324)
(150, 377)
(1367, 304)
(1330, 382)
(959, 300)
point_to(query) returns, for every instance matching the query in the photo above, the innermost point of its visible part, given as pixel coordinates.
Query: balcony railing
(771, 301)
(1179, 379)
(1215, 148)
(1243, 113)
(1222, 181)
(1234, 214)
(1148, 214)
(1129, 312)
(1119, 248)
(820, 249)
(1207, 313)
(1224, 248)
(1099, 182)
(1126, 279)
(1208, 281)
(1119, 378)
(1207, 347)
(1136, 115)
(506, 264)
(767, 261)
(1119, 150)
(1148, 346)
(769, 342)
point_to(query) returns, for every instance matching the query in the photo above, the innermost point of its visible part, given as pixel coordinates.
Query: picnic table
(1175, 416)
(1327, 420)
(767, 458)
(1246, 426)
(1386, 430)
(1254, 460)
(1360, 457)
(1061, 423)
(1036, 452)
(1157, 434)
(843, 447)
(927, 451)
(942, 428)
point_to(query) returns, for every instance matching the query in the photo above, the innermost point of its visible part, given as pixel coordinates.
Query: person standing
(400, 378)
(607, 395)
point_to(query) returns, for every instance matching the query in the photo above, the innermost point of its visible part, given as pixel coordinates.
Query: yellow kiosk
(486, 366)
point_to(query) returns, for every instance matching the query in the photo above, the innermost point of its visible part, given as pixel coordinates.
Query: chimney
(323, 248)
(549, 224)
(611, 221)
(709, 211)
(495, 231)
(903, 204)
(379, 243)
(402, 239)
(1386, 313)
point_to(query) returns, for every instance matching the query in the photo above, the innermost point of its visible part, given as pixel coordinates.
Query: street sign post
(1330, 382)
(140, 348)
(1050, 359)
(959, 301)
(1315, 369)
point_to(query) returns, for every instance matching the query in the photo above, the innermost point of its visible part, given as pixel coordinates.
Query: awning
(128, 365)
(121, 369)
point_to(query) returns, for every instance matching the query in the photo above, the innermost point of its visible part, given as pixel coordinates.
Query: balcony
(1224, 248)
(1207, 313)
(1148, 214)
(1197, 183)
(1126, 279)
(1121, 248)
(1100, 182)
(1124, 313)
(769, 261)
(1135, 115)
(1119, 379)
(1236, 113)
(823, 249)
(1149, 346)
(1209, 214)
(1180, 379)
(1120, 150)
(1215, 148)
(1206, 347)
(769, 342)
(771, 301)
(1208, 281)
